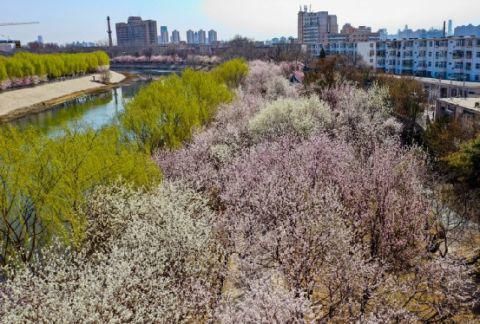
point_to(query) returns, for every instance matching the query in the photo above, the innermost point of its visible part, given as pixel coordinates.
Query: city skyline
(259, 20)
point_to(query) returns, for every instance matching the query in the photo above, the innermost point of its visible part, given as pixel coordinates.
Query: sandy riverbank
(18, 103)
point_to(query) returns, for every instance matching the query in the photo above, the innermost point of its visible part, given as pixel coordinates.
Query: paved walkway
(12, 102)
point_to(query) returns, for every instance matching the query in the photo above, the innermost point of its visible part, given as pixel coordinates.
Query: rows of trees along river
(46, 179)
(27, 68)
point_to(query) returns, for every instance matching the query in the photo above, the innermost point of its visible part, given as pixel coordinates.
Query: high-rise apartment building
(212, 37)
(202, 37)
(314, 27)
(450, 28)
(175, 37)
(137, 32)
(190, 37)
(164, 39)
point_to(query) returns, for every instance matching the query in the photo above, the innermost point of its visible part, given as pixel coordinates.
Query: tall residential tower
(190, 36)
(202, 37)
(314, 27)
(175, 37)
(164, 38)
(212, 37)
(137, 32)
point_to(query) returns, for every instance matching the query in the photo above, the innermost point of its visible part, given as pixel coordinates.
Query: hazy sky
(71, 20)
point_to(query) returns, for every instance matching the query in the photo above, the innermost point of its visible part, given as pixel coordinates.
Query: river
(95, 110)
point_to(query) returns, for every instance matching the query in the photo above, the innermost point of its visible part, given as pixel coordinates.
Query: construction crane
(19, 23)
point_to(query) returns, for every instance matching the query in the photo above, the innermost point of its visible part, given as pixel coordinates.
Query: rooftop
(397, 39)
(466, 84)
(434, 81)
(469, 103)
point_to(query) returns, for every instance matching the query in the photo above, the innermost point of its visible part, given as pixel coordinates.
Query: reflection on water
(96, 110)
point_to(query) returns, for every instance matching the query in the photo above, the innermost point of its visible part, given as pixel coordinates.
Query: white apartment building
(451, 58)
(365, 52)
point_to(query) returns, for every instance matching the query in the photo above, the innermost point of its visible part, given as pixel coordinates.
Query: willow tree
(232, 72)
(44, 183)
(165, 114)
(3, 70)
(28, 65)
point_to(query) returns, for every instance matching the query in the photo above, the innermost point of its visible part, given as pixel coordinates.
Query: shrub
(362, 117)
(232, 73)
(287, 204)
(163, 265)
(269, 81)
(280, 87)
(300, 117)
(465, 163)
(266, 299)
(386, 203)
(199, 161)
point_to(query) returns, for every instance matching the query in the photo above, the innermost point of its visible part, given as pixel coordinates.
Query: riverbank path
(15, 101)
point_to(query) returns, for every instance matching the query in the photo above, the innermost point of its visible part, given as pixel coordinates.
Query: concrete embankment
(19, 103)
